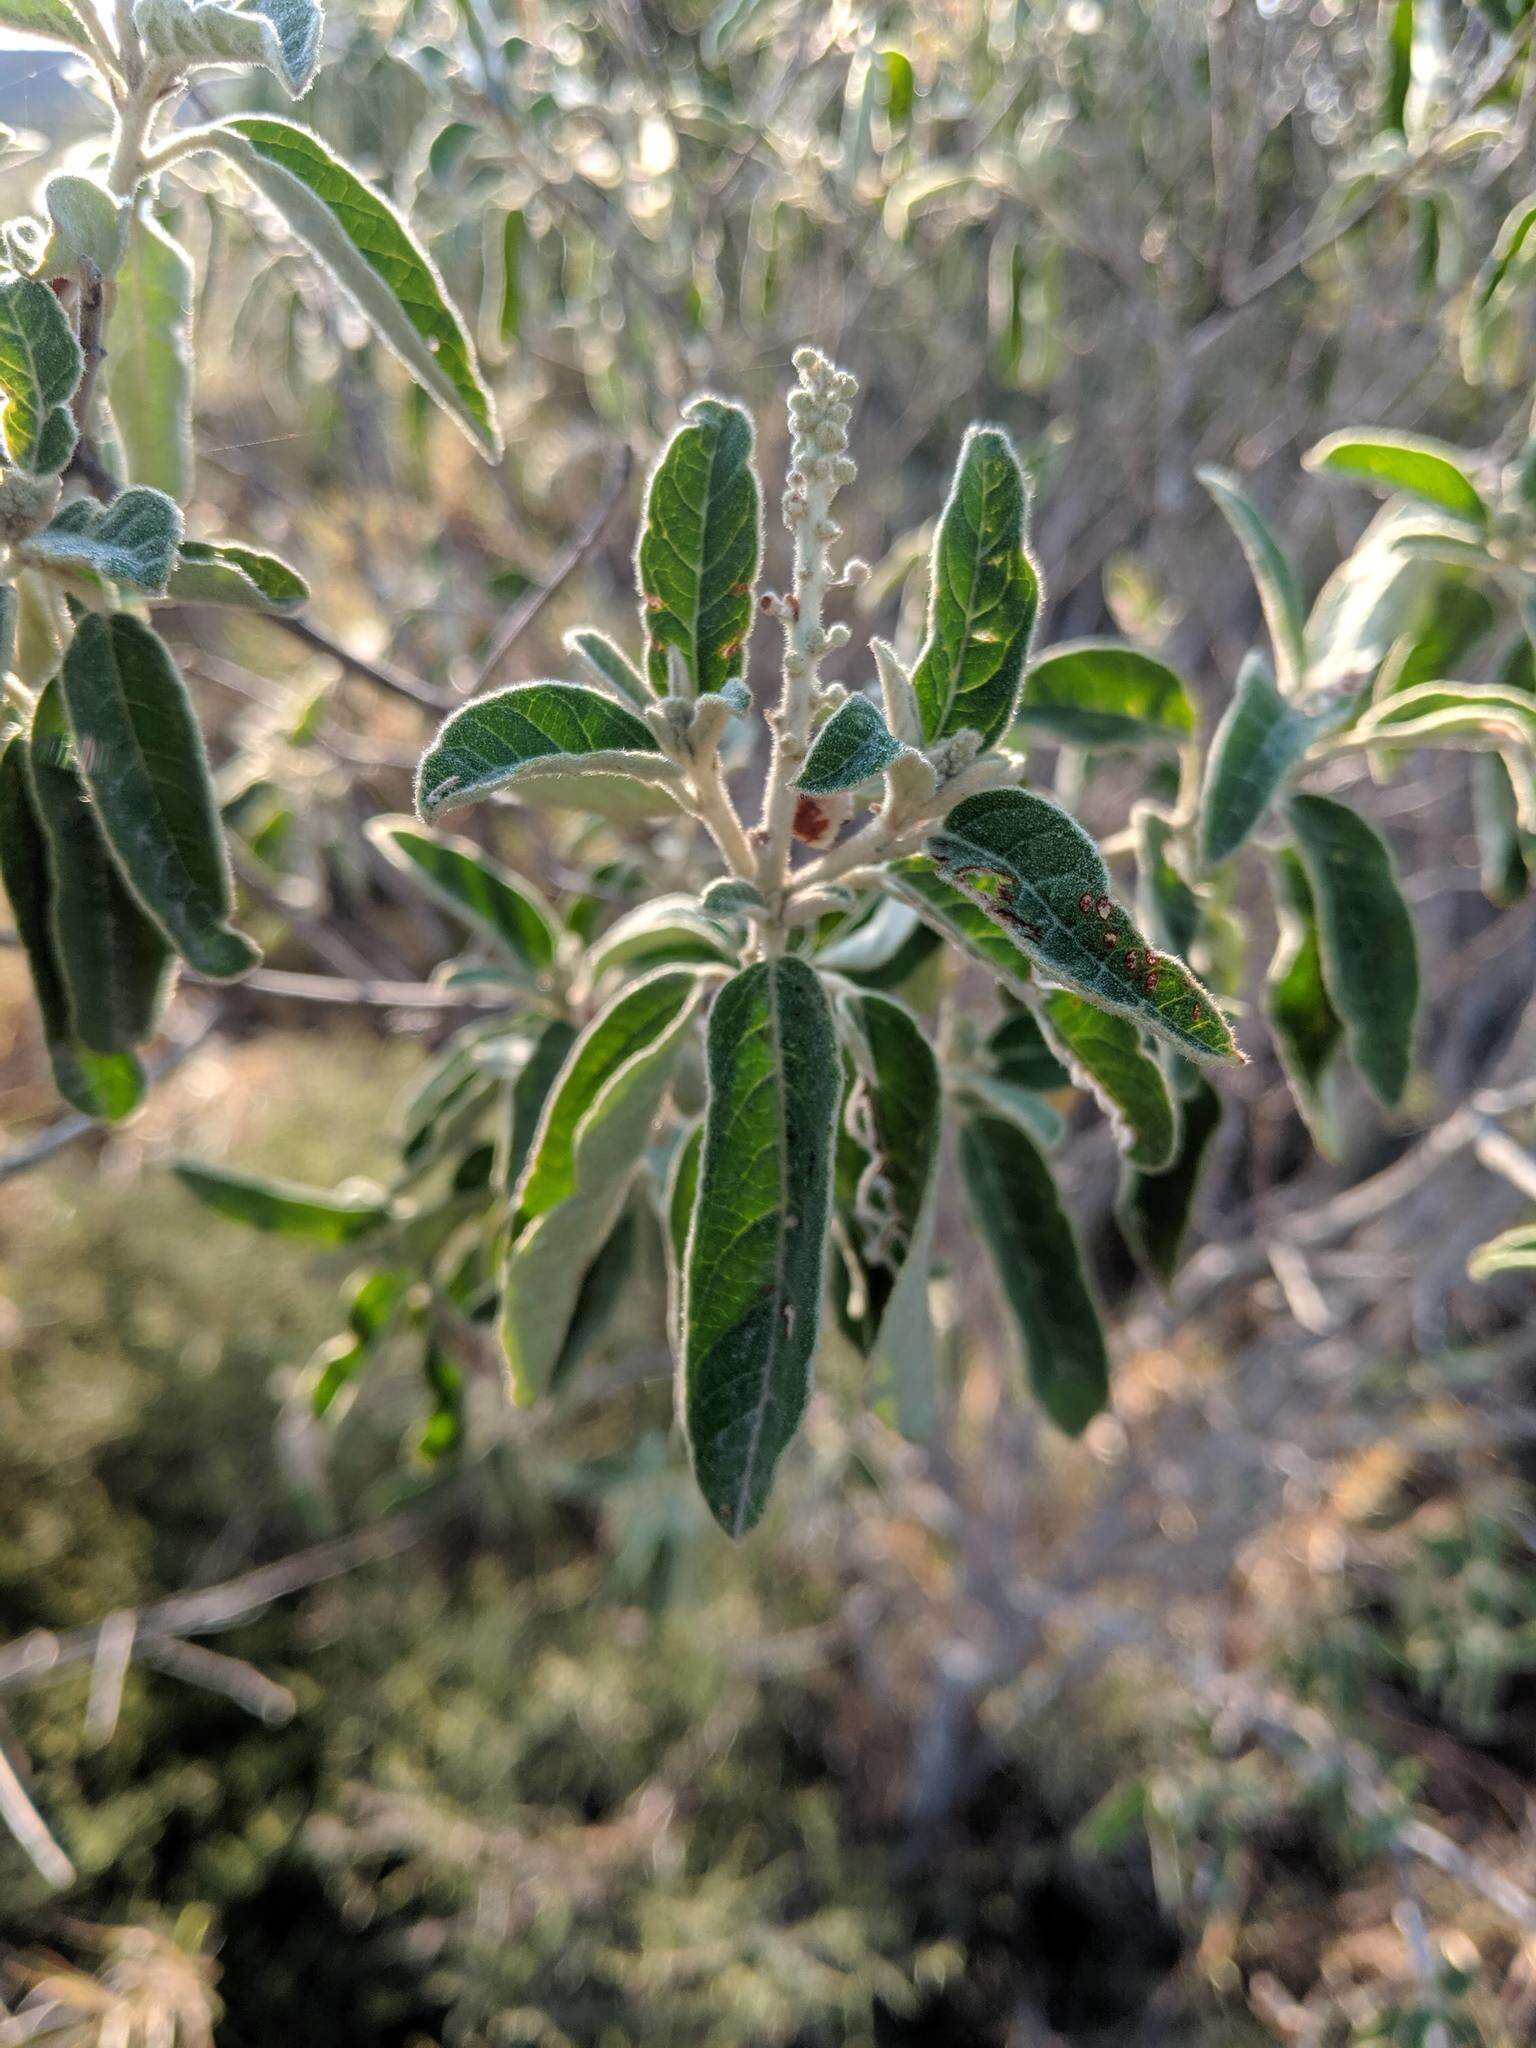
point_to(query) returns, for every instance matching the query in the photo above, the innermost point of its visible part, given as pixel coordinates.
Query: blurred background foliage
(1215, 1729)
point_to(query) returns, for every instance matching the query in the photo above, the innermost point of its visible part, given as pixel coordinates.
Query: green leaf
(682, 1199)
(149, 366)
(133, 540)
(633, 1021)
(729, 896)
(700, 546)
(282, 36)
(603, 1289)
(1021, 1054)
(1399, 64)
(1505, 261)
(1513, 1251)
(1378, 592)
(142, 756)
(495, 905)
(1260, 741)
(983, 595)
(498, 740)
(115, 967)
(895, 1112)
(1039, 877)
(526, 1097)
(591, 1139)
(916, 881)
(317, 1215)
(1308, 1031)
(667, 928)
(228, 572)
(1153, 1210)
(1040, 1268)
(852, 746)
(757, 1254)
(1370, 959)
(106, 1085)
(1099, 693)
(57, 21)
(89, 225)
(1480, 717)
(608, 662)
(1105, 1055)
(1506, 874)
(1168, 906)
(1402, 462)
(365, 246)
(1274, 579)
(40, 365)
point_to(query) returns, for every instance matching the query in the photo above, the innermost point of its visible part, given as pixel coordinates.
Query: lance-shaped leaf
(1153, 1210)
(854, 745)
(1040, 878)
(107, 1085)
(1106, 1056)
(895, 1111)
(983, 595)
(40, 365)
(1100, 693)
(57, 21)
(1481, 717)
(317, 1215)
(1022, 1056)
(1169, 907)
(603, 1287)
(608, 662)
(1308, 1031)
(1502, 851)
(142, 755)
(1040, 1268)
(526, 1096)
(282, 36)
(591, 1140)
(114, 964)
(1378, 592)
(357, 236)
(682, 1196)
(756, 1257)
(1259, 742)
(633, 1021)
(495, 905)
(1370, 959)
(133, 540)
(1513, 1251)
(669, 927)
(1504, 264)
(1403, 462)
(228, 572)
(700, 545)
(497, 741)
(1279, 595)
(945, 910)
(149, 367)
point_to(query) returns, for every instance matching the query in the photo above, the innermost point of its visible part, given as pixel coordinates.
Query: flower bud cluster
(820, 408)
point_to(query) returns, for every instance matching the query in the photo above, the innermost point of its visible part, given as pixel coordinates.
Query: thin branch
(383, 674)
(231, 1677)
(366, 993)
(30, 1829)
(527, 609)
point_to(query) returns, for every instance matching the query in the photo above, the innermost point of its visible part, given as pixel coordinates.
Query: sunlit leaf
(1403, 462)
(851, 747)
(700, 545)
(666, 928)
(1153, 1209)
(1261, 739)
(983, 596)
(1308, 1031)
(756, 1257)
(281, 36)
(608, 663)
(917, 881)
(1040, 878)
(133, 540)
(365, 246)
(318, 1215)
(230, 573)
(1105, 1055)
(40, 365)
(57, 21)
(1101, 693)
(1514, 1251)
(496, 742)
(149, 365)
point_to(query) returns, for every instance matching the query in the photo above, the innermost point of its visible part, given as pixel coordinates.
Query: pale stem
(791, 719)
(717, 813)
